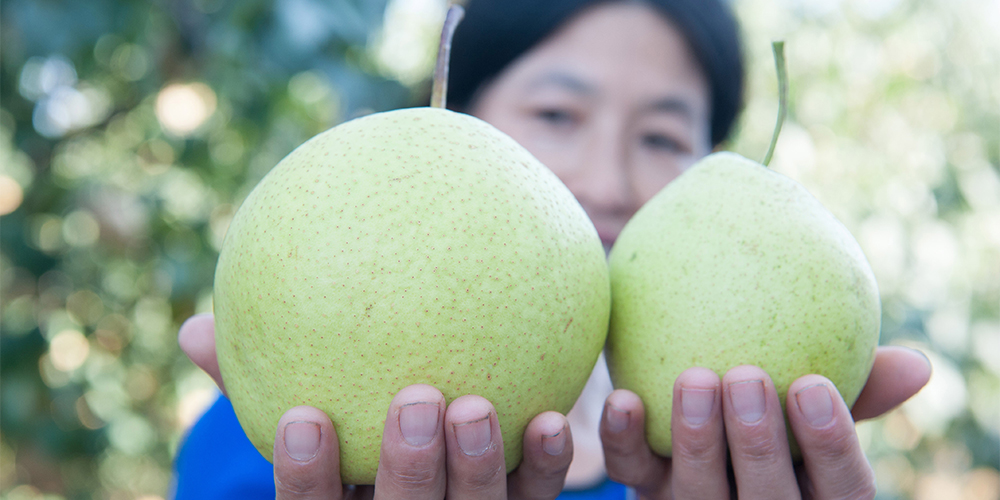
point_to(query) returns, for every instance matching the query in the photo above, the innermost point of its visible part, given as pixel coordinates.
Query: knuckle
(870, 489)
(619, 447)
(698, 451)
(481, 478)
(837, 447)
(646, 481)
(858, 490)
(866, 491)
(415, 476)
(762, 448)
(859, 485)
(847, 474)
(546, 471)
(293, 485)
(630, 476)
(491, 476)
(615, 449)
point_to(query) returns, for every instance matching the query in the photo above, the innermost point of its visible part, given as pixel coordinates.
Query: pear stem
(778, 47)
(439, 90)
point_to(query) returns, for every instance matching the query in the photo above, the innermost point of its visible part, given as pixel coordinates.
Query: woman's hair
(496, 32)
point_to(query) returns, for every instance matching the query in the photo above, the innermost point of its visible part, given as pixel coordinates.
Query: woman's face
(614, 103)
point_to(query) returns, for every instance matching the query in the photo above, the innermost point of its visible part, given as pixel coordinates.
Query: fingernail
(816, 404)
(302, 440)
(474, 437)
(923, 354)
(696, 405)
(418, 422)
(617, 419)
(748, 400)
(554, 444)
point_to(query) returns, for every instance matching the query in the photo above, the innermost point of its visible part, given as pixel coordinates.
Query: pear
(731, 264)
(412, 246)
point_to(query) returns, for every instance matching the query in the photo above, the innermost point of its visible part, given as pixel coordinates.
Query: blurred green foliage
(130, 131)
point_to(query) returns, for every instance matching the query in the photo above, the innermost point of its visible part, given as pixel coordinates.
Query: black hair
(496, 32)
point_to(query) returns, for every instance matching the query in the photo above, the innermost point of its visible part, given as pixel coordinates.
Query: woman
(617, 98)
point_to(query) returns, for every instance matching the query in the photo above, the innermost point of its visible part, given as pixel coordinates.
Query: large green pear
(735, 264)
(413, 246)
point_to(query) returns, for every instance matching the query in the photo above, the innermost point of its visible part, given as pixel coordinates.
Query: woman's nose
(603, 179)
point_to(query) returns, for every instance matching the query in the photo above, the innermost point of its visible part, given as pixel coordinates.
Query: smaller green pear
(733, 264)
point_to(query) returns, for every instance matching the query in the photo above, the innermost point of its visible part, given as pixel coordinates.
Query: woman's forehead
(611, 47)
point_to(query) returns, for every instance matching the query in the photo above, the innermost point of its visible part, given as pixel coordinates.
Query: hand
(742, 414)
(430, 449)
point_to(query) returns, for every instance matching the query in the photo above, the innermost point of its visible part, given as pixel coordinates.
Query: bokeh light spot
(47, 232)
(68, 350)
(86, 416)
(131, 61)
(11, 195)
(131, 434)
(141, 383)
(942, 399)
(193, 404)
(183, 107)
(19, 315)
(406, 47)
(981, 484)
(80, 229)
(25, 492)
(85, 307)
(42, 76)
(986, 343)
(52, 376)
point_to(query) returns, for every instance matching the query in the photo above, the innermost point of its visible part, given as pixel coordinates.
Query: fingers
(755, 430)
(698, 459)
(899, 372)
(627, 455)
(476, 468)
(548, 450)
(197, 340)
(412, 461)
(306, 456)
(822, 425)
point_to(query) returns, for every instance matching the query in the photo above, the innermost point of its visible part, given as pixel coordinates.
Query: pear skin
(413, 246)
(735, 264)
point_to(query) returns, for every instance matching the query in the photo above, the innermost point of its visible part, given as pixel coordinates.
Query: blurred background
(130, 131)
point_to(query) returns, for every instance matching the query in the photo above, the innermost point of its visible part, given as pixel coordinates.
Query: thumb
(197, 340)
(899, 373)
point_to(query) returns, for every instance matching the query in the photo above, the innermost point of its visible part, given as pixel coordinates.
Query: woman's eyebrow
(564, 80)
(672, 105)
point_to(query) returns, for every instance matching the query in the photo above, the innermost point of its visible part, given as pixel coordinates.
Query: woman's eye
(661, 142)
(558, 117)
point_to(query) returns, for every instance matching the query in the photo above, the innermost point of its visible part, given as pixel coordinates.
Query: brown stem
(439, 90)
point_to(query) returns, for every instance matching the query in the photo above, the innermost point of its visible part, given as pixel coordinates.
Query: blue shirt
(217, 461)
